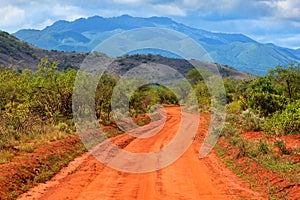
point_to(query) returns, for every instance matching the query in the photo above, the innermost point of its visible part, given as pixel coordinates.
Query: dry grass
(27, 143)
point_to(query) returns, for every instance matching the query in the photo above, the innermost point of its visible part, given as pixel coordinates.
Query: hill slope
(237, 50)
(16, 53)
(21, 55)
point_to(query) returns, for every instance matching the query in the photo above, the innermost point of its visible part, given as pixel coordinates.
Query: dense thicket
(33, 99)
(271, 102)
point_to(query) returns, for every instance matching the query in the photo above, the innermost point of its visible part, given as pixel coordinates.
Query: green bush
(285, 122)
(263, 147)
(250, 121)
(234, 107)
(281, 144)
(229, 130)
(242, 147)
(261, 95)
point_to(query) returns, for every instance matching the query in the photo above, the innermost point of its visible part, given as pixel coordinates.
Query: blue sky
(276, 21)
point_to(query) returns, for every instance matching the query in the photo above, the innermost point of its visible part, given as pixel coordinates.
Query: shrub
(242, 147)
(261, 95)
(63, 127)
(234, 107)
(285, 122)
(281, 144)
(250, 121)
(229, 130)
(263, 147)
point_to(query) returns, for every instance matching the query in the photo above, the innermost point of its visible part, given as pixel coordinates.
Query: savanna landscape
(45, 154)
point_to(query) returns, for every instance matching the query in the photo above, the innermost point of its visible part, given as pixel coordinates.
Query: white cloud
(11, 16)
(43, 24)
(67, 12)
(169, 9)
(127, 1)
(289, 9)
(284, 40)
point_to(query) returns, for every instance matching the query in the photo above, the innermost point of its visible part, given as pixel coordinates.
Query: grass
(27, 147)
(6, 156)
(264, 154)
(288, 170)
(221, 152)
(112, 132)
(45, 167)
(234, 167)
(27, 143)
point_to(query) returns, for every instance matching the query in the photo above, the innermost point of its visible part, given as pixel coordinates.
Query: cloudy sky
(276, 21)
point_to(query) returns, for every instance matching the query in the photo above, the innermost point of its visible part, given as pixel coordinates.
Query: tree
(287, 80)
(261, 95)
(103, 96)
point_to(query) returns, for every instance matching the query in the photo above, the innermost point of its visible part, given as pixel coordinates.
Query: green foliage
(287, 80)
(242, 147)
(52, 91)
(281, 144)
(273, 98)
(285, 122)
(250, 121)
(229, 130)
(263, 147)
(32, 100)
(103, 97)
(262, 96)
(234, 108)
(203, 95)
(147, 96)
(231, 89)
(193, 76)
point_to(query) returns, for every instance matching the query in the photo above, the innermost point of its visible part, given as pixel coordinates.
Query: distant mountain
(236, 50)
(20, 55)
(296, 52)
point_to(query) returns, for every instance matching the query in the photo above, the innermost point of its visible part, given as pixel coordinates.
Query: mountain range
(235, 50)
(20, 55)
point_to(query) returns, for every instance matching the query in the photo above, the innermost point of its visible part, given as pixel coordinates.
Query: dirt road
(187, 178)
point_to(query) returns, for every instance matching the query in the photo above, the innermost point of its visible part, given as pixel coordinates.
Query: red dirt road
(187, 178)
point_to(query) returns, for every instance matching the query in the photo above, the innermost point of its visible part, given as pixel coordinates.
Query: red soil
(292, 141)
(19, 174)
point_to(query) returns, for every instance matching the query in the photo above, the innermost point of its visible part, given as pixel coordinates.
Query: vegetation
(34, 103)
(36, 107)
(269, 104)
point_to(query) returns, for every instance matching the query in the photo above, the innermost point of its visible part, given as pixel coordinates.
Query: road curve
(187, 178)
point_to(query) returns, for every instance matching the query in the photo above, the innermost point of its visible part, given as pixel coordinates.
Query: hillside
(123, 64)
(14, 52)
(296, 52)
(21, 55)
(237, 50)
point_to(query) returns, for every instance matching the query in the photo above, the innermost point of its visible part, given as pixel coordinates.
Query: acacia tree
(287, 80)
